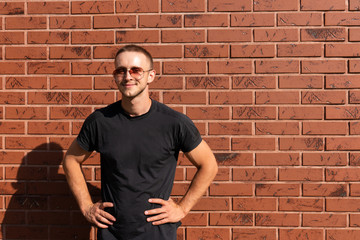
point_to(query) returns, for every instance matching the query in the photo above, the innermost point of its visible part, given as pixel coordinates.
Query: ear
(151, 76)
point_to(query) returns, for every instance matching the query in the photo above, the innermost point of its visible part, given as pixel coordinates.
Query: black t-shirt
(138, 161)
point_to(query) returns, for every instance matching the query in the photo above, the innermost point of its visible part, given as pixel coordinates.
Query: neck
(135, 106)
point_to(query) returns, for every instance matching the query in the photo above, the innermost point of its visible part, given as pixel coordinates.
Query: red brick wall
(272, 85)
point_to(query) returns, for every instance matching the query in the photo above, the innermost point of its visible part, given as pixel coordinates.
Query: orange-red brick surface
(272, 85)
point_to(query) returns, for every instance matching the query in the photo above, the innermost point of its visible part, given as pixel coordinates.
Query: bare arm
(204, 160)
(94, 213)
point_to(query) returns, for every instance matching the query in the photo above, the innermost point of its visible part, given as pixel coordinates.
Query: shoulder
(168, 112)
(102, 113)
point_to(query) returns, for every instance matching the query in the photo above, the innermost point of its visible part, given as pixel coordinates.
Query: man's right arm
(93, 212)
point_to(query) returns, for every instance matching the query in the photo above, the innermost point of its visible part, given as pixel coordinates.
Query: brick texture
(272, 85)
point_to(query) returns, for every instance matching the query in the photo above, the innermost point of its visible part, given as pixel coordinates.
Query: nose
(128, 75)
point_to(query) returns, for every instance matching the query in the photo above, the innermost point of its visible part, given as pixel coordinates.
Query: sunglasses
(136, 72)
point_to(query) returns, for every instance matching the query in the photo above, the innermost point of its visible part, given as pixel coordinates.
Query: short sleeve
(87, 138)
(189, 135)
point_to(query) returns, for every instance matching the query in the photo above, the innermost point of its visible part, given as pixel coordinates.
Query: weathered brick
(301, 143)
(323, 66)
(206, 20)
(325, 190)
(276, 66)
(116, 21)
(25, 23)
(253, 144)
(159, 21)
(277, 159)
(231, 219)
(322, 5)
(254, 174)
(254, 113)
(70, 52)
(206, 51)
(252, 51)
(276, 5)
(323, 97)
(138, 6)
(184, 67)
(252, 20)
(183, 36)
(301, 204)
(299, 50)
(342, 143)
(254, 204)
(278, 189)
(324, 128)
(296, 82)
(276, 35)
(61, 7)
(95, 7)
(342, 112)
(354, 66)
(301, 174)
(12, 8)
(25, 53)
(277, 97)
(254, 82)
(354, 5)
(208, 233)
(277, 219)
(229, 5)
(37, 37)
(299, 19)
(70, 22)
(93, 37)
(226, 189)
(323, 34)
(277, 128)
(183, 6)
(301, 233)
(229, 35)
(254, 233)
(230, 67)
(342, 81)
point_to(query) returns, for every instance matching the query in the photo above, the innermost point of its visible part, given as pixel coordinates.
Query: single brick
(70, 22)
(299, 50)
(183, 36)
(206, 20)
(323, 34)
(183, 6)
(252, 20)
(94, 7)
(252, 51)
(276, 5)
(158, 21)
(229, 35)
(48, 7)
(276, 35)
(298, 82)
(229, 5)
(299, 19)
(322, 5)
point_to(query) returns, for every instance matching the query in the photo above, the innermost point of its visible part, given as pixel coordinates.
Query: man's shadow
(38, 203)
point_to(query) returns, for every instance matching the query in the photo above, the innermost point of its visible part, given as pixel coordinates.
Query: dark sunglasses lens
(120, 71)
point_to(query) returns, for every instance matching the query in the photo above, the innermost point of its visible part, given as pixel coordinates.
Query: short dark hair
(136, 48)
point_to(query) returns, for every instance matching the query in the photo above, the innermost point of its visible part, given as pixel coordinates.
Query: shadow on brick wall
(42, 206)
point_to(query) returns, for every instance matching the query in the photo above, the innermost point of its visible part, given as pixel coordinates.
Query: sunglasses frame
(131, 74)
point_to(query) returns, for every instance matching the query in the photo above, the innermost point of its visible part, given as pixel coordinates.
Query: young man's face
(133, 73)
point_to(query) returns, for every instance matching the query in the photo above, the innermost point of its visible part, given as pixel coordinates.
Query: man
(139, 140)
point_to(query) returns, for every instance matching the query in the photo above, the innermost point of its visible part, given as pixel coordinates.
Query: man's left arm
(204, 160)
